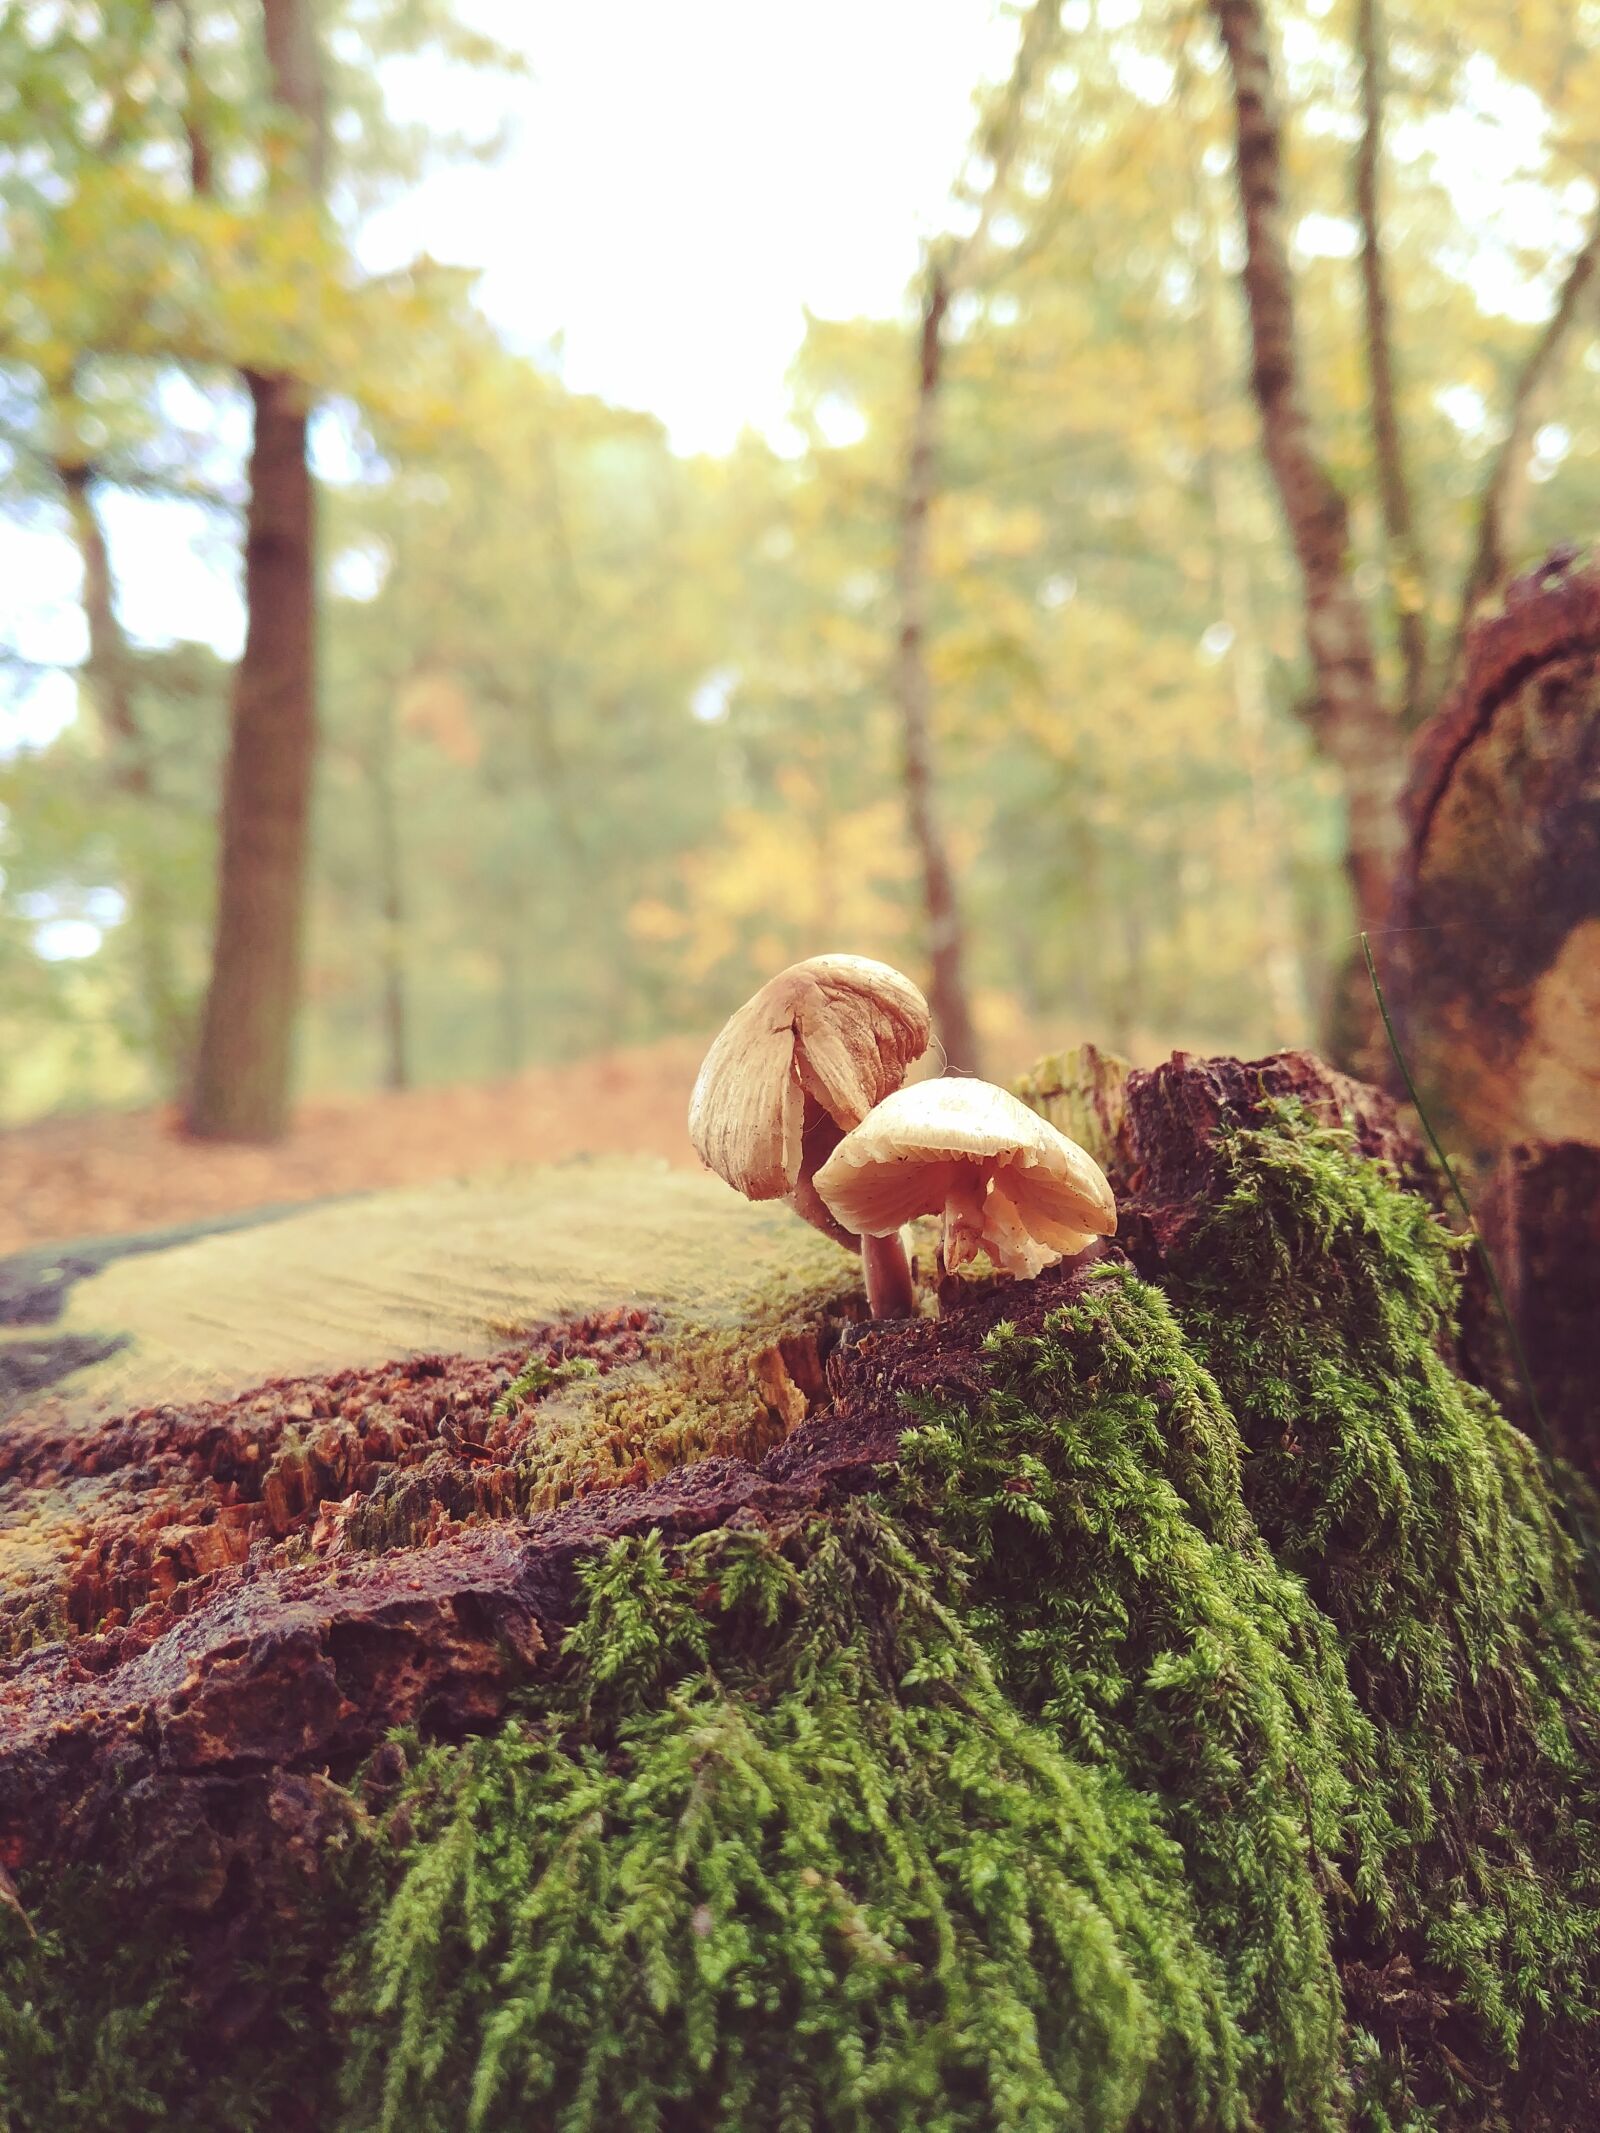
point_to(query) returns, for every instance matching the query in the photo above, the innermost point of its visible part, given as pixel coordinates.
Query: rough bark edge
(1549, 612)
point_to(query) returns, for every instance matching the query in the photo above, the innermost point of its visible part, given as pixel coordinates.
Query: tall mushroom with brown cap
(791, 1072)
(1004, 1180)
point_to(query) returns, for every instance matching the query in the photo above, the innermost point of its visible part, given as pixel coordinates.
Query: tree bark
(947, 988)
(110, 664)
(1407, 570)
(1503, 504)
(949, 269)
(110, 673)
(244, 1069)
(242, 1075)
(1352, 724)
(1496, 958)
(392, 911)
(1283, 976)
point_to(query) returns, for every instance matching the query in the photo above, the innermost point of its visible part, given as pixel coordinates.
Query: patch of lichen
(1323, 1299)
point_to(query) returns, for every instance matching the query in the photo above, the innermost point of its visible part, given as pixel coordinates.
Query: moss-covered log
(1155, 1696)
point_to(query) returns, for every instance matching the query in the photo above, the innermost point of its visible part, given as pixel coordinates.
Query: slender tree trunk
(953, 266)
(152, 916)
(392, 911)
(1407, 571)
(1283, 975)
(947, 988)
(199, 147)
(110, 662)
(1353, 726)
(243, 1072)
(1503, 504)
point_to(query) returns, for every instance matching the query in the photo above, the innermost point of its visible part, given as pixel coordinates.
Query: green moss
(106, 2024)
(1127, 1600)
(1323, 1299)
(781, 1854)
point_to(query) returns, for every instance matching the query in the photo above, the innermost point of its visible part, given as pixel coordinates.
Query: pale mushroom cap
(940, 1141)
(841, 1029)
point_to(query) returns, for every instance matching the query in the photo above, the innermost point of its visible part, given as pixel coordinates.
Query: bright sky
(684, 181)
(688, 178)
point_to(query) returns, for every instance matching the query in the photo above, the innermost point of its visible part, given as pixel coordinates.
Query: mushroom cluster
(802, 1098)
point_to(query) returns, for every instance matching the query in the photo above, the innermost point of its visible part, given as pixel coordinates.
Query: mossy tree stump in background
(1156, 1696)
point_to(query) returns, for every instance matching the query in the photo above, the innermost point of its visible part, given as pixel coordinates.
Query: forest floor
(104, 1173)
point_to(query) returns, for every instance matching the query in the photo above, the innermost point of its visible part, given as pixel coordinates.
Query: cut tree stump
(1494, 969)
(1158, 1695)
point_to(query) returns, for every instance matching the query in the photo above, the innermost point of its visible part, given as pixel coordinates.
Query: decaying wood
(1495, 960)
(1540, 1217)
(231, 1651)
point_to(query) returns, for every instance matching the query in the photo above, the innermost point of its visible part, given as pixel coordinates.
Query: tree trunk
(1283, 976)
(242, 1075)
(392, 911)
(954, 266)
(199, 147)
(1407, 572)
(110, 661)
(1505, 494)
(244, 1069)
(1496, 956)
(151, 913)
(947, 988)
(1352, 724)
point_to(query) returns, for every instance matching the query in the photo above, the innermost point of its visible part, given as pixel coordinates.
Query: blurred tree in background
(607, 733)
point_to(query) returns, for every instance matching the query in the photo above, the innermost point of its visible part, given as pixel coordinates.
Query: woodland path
(109, 1173)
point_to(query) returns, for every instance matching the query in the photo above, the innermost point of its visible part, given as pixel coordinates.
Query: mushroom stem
(888, 1273)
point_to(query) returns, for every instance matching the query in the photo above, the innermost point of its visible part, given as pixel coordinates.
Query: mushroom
(1004, 1180)
(791, 1072)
